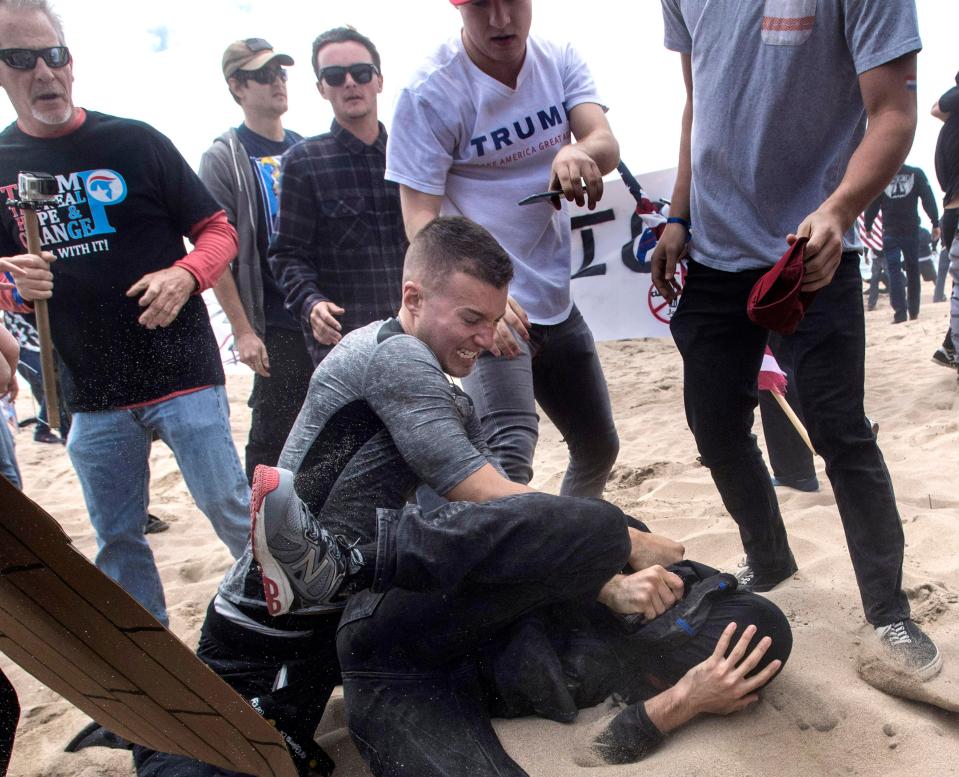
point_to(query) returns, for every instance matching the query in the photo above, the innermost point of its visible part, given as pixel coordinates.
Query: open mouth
(467, 355)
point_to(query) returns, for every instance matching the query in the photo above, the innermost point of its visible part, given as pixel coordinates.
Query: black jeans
(722, 350)
(251, 664)
(276, 401)
(414, 695)
(789, 457)
(9, 715)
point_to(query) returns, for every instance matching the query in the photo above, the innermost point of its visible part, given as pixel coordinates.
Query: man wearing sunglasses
(486, 121)
(339, 243)
(242, 171)
(137, 350)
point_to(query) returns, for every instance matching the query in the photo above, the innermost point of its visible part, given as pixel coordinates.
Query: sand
(818, 718)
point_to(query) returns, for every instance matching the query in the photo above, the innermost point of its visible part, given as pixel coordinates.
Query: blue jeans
(559, 369)
(948, 225)
(8, 455)
(722, 350)
(954, 304)
(903, 251)
(110, 451)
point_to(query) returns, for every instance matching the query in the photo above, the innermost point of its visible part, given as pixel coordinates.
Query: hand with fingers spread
(164, 293)
(31, 275)
(514, 322)
(251, 351)
(670, 249)
(326, 329)
(825, 229)
(650, 592)
(573, 167)
(719, 685)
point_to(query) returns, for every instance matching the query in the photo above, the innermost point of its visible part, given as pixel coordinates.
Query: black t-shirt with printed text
(127, 198)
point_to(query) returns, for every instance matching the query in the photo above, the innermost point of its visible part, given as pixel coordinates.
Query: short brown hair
(451, 244)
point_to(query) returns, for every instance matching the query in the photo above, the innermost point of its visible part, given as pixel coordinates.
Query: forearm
(602, 147)
(215, 246)
(679, 204)
(228, 296)
(10, 350)
(669, 710)
(292, 264)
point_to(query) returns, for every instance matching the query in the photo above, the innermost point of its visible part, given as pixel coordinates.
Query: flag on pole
(771, 376)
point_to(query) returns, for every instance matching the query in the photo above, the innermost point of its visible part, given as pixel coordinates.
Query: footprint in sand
(805, 704)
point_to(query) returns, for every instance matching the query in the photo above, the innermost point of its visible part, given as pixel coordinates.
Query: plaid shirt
(339, 233)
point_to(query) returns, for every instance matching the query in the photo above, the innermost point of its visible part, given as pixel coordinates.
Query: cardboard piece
(79, 633)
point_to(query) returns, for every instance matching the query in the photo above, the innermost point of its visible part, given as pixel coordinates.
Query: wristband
(678, 220)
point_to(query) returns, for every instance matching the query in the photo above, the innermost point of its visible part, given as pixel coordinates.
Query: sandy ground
(818, 718)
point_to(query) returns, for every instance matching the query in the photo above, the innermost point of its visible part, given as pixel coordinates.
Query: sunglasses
(26, 59)
(265, 75)
(335, 75)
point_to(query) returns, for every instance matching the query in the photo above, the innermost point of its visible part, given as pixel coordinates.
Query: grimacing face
(42, 97)
(456, 318)
(351, 102)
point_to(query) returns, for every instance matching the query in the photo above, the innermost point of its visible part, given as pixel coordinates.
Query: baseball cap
(777, 301)
(251, 54)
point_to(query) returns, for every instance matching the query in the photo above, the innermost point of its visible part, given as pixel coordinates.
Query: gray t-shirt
(380, 418)
(777, 111)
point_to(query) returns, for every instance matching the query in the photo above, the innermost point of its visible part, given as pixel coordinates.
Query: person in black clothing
(9, 715)
(946, 109)
(900, 235)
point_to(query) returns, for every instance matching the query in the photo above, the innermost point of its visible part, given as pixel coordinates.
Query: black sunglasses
(26, 59)
(335, 75)
(265, 75)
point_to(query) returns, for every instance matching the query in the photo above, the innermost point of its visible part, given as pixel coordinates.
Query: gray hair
(44, 7)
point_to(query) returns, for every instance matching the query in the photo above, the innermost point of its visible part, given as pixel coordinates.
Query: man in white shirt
(486, 121)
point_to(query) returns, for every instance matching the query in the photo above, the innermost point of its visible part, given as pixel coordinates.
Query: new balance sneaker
(912, 648)
(944, 358)
(298, 559)
(761, 582)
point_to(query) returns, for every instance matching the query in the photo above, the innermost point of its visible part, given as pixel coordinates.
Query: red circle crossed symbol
(659, 307)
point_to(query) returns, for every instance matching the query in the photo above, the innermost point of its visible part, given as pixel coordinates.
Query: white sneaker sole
(276, 586)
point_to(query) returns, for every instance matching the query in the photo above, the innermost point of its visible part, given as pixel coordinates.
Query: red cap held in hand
(777, 301)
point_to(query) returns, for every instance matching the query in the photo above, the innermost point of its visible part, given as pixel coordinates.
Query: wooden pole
(794, 419)
(48, 367)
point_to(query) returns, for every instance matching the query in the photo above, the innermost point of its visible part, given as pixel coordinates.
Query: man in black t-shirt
(900, 235)
(242, 171)
(134, 339)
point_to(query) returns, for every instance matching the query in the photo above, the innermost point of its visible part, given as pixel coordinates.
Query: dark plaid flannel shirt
(339, 233)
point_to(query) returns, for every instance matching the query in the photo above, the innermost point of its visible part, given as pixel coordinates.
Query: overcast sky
(160, 61)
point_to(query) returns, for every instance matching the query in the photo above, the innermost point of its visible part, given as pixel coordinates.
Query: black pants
(722, 350)
(251, 664)
(9, 716)
(414, 697)
(789, 457)
(902, 253)
(276, 401)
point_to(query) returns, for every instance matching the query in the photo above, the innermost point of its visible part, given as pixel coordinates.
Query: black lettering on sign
(588, 270)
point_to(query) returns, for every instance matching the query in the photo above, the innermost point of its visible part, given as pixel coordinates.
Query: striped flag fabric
(871, 239)
(771, 376)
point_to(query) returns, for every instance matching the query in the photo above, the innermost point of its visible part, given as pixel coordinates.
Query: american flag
(872, 239)
(771, 376)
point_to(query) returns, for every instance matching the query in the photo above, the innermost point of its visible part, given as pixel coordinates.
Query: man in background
(339, 244)
(242, 171)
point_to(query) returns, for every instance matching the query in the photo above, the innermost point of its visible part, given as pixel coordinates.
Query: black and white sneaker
(296, 555)
(944, 358)
(749, 579)
(912, 648)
